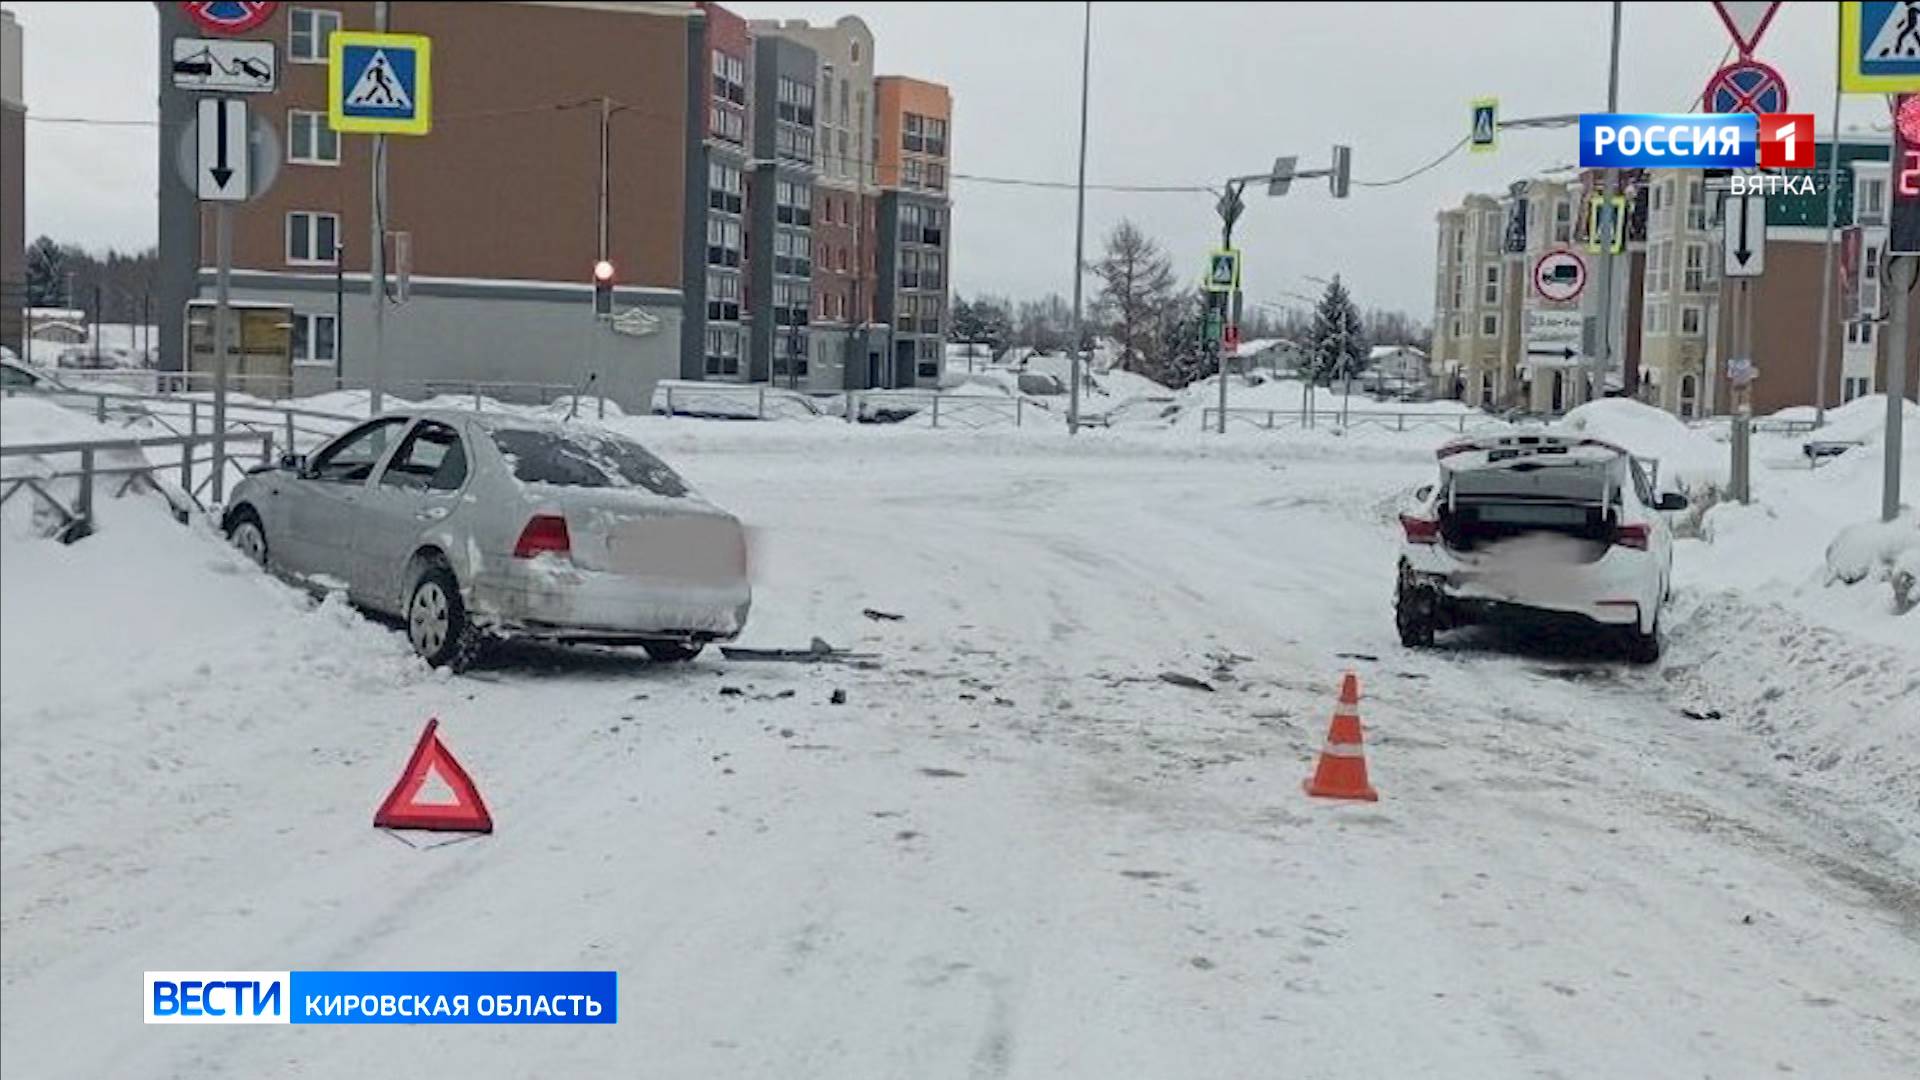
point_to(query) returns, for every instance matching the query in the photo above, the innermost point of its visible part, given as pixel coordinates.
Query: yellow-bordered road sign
(1483, 130)
(1606, 224)
(1880, 48)
(380, 84)
(1223, 270)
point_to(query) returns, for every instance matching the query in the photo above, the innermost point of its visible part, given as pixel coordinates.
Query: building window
(1689, 396)
(912, 174)
(1854, 387)
(1490, 284)
(723, 242)
(922, 224)
(723, 296)
(314, 337)
(1459, 243)
(792, 253)
(729, 78)
(725, 122)
(790, 352)
(1459, 285)
(1860, 333)
(795, 101)
(793, 143)
(1692, 320)
(724, 187)
(307, 32)
(793, 203)
(311, 238)
(1659, 318)
(1870, 278)
(1490, 235)
(311, 140)
(1562, 221)
(1871, 203)
(1696, 205)
(723, 350)
(853, 49)
(1490, 325)
(1660, 267)
(1455, 329)
(1693, 277)
(1486, 389)
(913, 133)
(936, 136)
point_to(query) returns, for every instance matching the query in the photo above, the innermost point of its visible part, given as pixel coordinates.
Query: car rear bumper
(1603, 599)
(548, 599)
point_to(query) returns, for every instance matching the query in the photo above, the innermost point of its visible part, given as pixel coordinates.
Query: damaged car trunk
(1559, 505)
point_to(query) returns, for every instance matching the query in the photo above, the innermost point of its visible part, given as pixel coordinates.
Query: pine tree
(1136, 287)
(1337, 345)
(1181, 354)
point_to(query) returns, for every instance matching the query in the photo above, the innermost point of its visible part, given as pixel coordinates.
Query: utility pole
(222, 331)
(1080, 218)
(339, 314)
(1601, 364)
(1900, 277)
(377, 254)
(1230, 207)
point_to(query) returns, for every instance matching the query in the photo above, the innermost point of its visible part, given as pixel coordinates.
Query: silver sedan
(470, 525)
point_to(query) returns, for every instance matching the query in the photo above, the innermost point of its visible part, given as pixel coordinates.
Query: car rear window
(1570, 481)
(585, 459)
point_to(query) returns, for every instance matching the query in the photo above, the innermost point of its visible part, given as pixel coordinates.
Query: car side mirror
(1423, 492)
(294, 463)
(1671, 500)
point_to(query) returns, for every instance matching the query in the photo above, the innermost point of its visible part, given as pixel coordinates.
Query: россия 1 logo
(1696, 141)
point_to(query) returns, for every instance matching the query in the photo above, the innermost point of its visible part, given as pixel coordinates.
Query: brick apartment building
(747, 245)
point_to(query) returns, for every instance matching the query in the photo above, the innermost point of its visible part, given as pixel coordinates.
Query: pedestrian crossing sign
(1223, 271)
(1880, 47)
(379, 84)
(1484, 132)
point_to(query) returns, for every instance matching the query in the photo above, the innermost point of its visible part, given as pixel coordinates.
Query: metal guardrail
(1760, 425)
(1299, 419)
(762, 402)
(76, 521)
(277, 388)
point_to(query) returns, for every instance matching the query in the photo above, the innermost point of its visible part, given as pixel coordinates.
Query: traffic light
(1340, 178)
(603, 289)
(1903, 226)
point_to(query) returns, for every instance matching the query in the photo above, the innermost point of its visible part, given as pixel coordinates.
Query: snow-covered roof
(1379, 351)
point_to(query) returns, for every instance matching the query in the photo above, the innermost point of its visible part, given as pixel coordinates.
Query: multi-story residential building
(913, 146)
(844, 201)
(781, 205)
(743, 207)
(1469, 300)
(13, 189)
(716, 262)
(1680, 293)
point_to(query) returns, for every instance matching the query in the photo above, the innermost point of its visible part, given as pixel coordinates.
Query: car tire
(1644, 648)
(436, 619)
(1414, 616)
(246, 533)
(672, 652)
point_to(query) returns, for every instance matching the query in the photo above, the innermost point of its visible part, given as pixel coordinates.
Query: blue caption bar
(454, 997)
(1669, 141)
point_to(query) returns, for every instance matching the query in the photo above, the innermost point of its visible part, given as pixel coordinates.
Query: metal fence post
(1269, 419)
(936, 410)
(186, 467)
(193, 418)
(100, 408)
(1402, 421)
(601, 405)
(289, 434)
(760, 405)
(476, 397)
(85, 506)
(1017, 403)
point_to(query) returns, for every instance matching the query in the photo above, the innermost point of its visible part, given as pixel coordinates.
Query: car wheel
(249, 536)
(671, 652)
(436, 618)
(1644, 648)
(1413, 616)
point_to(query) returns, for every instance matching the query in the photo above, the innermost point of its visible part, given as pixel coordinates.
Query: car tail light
(544, 533)
(1420, 530)
(1632, 536)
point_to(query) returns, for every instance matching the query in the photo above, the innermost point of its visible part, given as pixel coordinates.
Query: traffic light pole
(1599, 365)
(377, 260)
(1901, 270)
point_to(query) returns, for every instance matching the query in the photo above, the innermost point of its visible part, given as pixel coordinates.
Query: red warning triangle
(466, 813)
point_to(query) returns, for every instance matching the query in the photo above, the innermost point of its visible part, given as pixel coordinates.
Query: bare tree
(1136, 288)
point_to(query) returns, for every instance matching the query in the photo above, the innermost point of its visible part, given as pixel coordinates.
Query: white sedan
(468, 525)
(1537, 527)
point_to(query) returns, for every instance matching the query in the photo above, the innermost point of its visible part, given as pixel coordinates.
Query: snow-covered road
(1013, 851)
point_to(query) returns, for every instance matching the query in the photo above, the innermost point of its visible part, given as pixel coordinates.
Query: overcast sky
(1181, 94)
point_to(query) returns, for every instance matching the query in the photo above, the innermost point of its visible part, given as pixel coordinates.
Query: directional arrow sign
(1562, 352)
(221, 173)
(1746, 236)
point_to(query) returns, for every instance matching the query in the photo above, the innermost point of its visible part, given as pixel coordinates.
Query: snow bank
(1689, 460)
(1880, 551)
(28, 419)
(1864, 420)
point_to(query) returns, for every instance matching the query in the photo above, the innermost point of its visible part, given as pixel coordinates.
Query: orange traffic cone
(1343, 761)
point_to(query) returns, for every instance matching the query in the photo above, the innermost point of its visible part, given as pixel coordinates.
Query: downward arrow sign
(222, 171)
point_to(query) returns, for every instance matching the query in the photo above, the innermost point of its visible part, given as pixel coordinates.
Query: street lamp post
(1080, 219)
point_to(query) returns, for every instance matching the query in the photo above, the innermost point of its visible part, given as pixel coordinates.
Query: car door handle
(432, 513)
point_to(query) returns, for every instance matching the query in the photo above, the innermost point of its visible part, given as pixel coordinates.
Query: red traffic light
(603, 271)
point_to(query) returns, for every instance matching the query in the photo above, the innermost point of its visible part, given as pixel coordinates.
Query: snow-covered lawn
(1013, 851)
